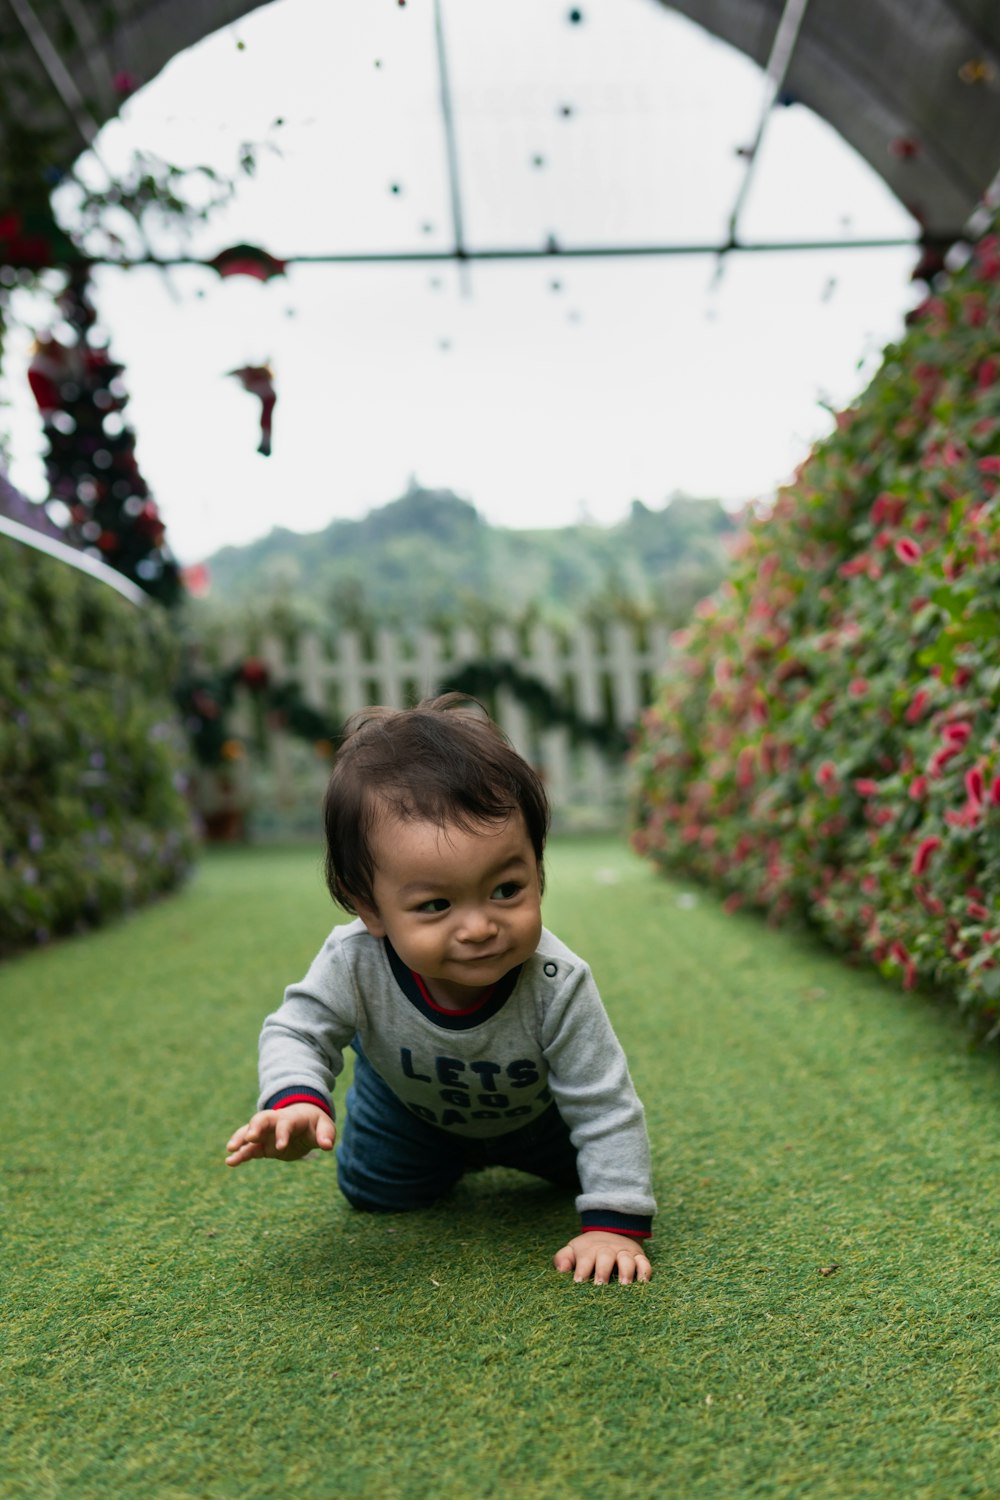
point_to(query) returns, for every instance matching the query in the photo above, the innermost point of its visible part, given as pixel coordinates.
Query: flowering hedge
(93, 818)
(826, 740)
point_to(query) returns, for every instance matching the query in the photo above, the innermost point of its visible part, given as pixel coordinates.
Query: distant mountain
(430, 556)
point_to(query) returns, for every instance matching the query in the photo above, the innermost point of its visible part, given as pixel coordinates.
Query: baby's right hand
(286, 1134)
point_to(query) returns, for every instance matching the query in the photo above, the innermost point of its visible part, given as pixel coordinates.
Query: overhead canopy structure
(66, 66)
(913, 85)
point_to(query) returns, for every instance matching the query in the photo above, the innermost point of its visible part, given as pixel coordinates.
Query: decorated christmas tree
(91, 464)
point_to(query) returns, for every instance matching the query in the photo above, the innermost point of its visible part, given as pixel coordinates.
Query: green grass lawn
(171, 1328)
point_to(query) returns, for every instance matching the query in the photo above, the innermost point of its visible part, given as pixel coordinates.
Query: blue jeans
(389, 1160)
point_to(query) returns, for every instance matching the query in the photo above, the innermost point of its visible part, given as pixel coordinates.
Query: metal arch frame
(782, 50)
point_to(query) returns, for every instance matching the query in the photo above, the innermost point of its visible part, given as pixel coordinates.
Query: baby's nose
(478, 926)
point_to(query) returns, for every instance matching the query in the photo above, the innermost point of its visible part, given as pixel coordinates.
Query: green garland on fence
(206, 700)
(482, 679)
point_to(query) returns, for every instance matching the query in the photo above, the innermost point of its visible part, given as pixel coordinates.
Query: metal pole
(451, 149)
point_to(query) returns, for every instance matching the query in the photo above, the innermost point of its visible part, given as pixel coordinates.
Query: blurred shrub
(826, 741)
(93, 817)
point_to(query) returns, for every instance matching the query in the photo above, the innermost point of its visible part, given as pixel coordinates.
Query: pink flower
(989, 465)
(918, 788)
(907, 551)
(995, 792)
(865, 787)
(858, 687)
(986, 374)
(974, 787)
(978, 911)
(926, 851)
(957, 733)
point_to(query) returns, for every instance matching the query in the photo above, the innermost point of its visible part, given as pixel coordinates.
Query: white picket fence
(605, 675)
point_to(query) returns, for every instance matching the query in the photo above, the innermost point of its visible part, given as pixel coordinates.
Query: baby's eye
(437, 904)
(507, 890)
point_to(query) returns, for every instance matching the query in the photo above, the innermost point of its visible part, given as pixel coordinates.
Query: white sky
(637, 377)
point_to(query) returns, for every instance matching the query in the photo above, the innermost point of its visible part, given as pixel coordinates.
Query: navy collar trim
(416, 991)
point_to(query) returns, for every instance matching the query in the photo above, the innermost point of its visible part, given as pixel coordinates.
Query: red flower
(940, 759)
(929, 902)
(907, 551)
(858, 687)
(926, 851)
(974, 786)
(826, 776)
(995, 792)
(918, 706)
(865, 787)
(888, 509)
(978, 911)
(918, 788)
(990, 465)
(898, 952)
(957, 733)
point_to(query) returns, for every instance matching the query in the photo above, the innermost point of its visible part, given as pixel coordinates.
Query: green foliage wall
(826, 742)
(93, 816)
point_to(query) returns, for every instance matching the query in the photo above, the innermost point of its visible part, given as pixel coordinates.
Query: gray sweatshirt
(541, 1034)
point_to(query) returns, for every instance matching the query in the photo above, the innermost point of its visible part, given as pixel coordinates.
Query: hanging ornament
(247, 260)
(904, 147)
(258, 380)
(52, 365)
(32, 241)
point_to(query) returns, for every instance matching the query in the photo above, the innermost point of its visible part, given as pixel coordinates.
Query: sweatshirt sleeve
(301, 1049)
(590, 1082)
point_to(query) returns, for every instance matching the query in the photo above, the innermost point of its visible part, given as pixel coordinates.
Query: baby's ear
(369, 915)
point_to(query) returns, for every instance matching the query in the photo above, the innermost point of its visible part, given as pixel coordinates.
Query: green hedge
(826, 740)
(93, 817)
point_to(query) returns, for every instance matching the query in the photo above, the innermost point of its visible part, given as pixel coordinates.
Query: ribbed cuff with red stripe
(636, 1226)
(298, 1096)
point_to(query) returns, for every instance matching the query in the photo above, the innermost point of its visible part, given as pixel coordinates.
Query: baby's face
(460, 908)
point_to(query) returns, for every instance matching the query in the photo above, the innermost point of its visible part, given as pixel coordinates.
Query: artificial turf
(174, 1330)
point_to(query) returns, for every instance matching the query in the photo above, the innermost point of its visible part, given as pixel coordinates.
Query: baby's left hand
(599, 1253)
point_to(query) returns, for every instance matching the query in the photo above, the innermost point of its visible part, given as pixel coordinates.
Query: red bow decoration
(258, 380)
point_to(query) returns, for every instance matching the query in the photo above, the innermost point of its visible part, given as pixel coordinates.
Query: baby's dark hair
(444, 761)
